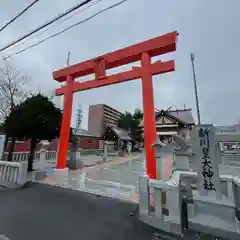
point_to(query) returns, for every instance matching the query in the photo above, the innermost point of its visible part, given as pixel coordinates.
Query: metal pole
(195, 89)
(68, 58)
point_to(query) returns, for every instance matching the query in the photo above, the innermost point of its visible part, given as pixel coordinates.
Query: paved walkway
(43, 212)
(117, 178)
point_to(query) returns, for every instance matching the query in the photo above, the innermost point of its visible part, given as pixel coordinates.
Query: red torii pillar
(143, 51)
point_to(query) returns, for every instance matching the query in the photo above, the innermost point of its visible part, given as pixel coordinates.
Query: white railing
(165, 212)
(168, 213)
(23, 156)
(228, 158)
(50, 155)
(13, 174)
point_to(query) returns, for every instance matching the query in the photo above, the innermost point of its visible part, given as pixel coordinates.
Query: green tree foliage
(130, 122)
(12, 128)
(1, 127)
(137, 118)
(138, 115)
(35, 119)
(126, 121)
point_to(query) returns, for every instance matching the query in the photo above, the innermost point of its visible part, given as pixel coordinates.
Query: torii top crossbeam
(142, 51)
(156, 46)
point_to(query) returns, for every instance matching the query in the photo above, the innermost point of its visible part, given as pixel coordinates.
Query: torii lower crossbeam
(142, 51)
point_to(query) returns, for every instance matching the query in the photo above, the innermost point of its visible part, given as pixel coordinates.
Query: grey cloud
(207, 28)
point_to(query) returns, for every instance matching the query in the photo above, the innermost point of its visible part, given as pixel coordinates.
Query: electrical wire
(66, 29)
(81, 10)
(45, 24)
(65, 19)
(18, 15)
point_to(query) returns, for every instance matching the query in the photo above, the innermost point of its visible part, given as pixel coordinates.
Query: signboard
(2, 141)
(204, 148)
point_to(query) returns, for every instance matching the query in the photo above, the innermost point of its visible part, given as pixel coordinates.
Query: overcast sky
(210, 29)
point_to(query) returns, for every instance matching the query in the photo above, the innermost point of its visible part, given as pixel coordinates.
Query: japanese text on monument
(206, 170)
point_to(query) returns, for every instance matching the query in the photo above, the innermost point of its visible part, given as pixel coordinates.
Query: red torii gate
(142, 51)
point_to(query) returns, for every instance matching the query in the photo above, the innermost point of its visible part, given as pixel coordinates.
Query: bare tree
(12, 88)
(12, 92)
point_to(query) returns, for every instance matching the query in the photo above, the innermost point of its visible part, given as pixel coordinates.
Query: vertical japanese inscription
(206, 160)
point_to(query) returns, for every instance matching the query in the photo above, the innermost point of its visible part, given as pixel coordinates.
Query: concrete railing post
(144, 196)
(22, 175)
(13, 174)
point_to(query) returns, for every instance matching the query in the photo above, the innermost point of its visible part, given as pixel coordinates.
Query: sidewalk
(118, 179)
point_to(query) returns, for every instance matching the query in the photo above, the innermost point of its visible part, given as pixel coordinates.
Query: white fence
(231, 154)
(228, 158)
(23, 156)
(178, 207)
(13, 174)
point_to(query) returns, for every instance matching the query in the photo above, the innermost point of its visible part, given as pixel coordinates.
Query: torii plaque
(143, 51)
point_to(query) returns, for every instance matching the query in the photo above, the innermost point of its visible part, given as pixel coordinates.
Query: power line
(81, 10)
(18, 15)
(45, 24)
(66, 29)
(65, 19)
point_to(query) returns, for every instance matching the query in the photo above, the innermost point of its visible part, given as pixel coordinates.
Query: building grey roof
(184, 115)
(228, 128)
(84, 132)
(121, 133)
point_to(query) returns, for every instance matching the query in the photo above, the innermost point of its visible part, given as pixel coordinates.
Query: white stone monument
(206, 160)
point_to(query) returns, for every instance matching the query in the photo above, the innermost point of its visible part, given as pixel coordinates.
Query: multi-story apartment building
(100, 116)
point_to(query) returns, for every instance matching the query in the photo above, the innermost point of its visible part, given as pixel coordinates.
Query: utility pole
(79, 117)
(68, 58)
(195, 88)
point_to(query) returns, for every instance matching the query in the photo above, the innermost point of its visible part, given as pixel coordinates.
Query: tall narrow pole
(68, 58)
(195, 89)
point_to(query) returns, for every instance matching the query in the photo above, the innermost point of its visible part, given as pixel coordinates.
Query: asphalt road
(43, 212)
